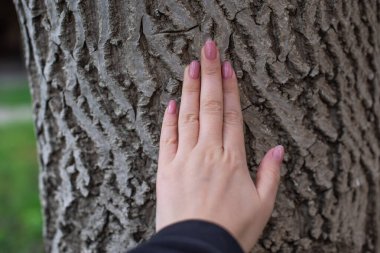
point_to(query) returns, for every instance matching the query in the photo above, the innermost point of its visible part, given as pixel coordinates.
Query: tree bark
(101, 73)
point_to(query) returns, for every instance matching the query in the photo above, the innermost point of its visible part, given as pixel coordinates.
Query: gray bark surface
(101, 73)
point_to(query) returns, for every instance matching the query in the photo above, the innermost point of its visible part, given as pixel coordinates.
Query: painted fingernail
(172, 107)
(278, 153)
(210, 49)
(227, 70)
(194, 69)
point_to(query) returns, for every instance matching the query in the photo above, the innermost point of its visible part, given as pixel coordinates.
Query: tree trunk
(101, 73)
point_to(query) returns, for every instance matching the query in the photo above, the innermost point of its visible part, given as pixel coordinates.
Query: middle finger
(211, 99)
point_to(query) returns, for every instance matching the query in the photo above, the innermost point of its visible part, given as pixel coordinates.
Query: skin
(202, 168)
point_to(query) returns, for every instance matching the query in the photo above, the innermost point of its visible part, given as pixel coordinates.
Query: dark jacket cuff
(201, 234)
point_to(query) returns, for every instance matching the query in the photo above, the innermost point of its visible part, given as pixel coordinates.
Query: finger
(188, 126)
(211, 99)
(233, 135)
(169, 133)
(268, 175)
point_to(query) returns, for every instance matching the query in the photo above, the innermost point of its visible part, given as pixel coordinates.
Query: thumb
(268, 174)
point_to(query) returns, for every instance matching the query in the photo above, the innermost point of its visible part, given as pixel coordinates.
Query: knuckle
(172, 140)
(273, 175)
(170, 123)
(213, 154)
(233, 117)
(189, 89)
(231, 88)
(233, 160)
(213, 106)
(190, 118)
(212, 70)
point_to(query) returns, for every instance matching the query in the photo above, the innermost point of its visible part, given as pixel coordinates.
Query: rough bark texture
(102, 72)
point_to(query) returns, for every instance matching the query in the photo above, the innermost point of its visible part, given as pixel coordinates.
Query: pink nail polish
(210, 49)
(227, 70)
(278, 153)
(172, 107)
(194, 69)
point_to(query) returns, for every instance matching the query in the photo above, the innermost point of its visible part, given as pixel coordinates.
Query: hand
(202, 168)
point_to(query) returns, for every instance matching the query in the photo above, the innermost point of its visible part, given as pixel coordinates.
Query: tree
(101, 73)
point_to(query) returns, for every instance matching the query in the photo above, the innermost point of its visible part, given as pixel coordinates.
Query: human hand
(202, 167)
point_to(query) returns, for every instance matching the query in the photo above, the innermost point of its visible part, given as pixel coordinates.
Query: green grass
(14, 93)
(20, 212)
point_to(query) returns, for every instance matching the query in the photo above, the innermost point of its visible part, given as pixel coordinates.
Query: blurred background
(20, 213)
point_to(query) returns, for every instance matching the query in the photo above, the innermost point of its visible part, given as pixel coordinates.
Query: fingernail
(210, 49)
(227, 70)
(278, 153)
(194, 69)
(172, 107)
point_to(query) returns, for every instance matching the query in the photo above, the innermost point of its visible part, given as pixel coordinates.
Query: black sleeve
(192, 236)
